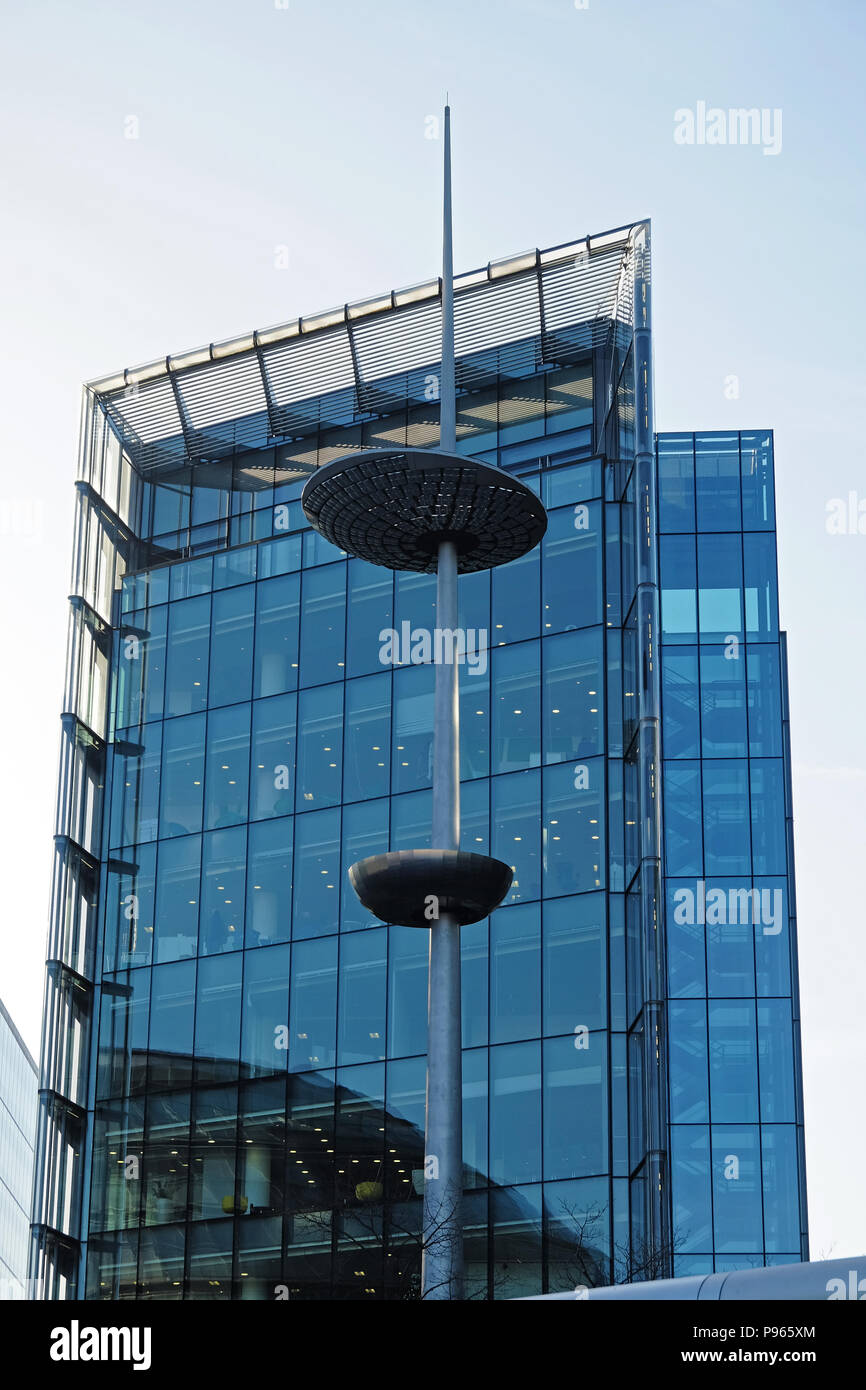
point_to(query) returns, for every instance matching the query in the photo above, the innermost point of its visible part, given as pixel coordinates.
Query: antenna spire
(447, 384)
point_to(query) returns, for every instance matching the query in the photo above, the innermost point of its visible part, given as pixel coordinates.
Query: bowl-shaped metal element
(415, 887)
(394, 507)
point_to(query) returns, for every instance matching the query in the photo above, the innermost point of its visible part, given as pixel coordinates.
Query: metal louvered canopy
(369, 358)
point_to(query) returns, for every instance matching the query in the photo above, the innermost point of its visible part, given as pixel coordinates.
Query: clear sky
(281, 167)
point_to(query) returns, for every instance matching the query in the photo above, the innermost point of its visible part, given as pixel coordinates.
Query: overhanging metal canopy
(366, 359)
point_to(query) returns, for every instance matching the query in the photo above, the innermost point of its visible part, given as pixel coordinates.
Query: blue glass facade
(17, 1136)
(244, 1118)
(733, 1021)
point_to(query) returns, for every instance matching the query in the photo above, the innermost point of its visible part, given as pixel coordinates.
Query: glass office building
(233, 1065)
(18, 1082)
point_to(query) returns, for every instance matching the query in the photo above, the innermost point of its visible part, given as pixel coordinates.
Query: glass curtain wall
(735, 1099)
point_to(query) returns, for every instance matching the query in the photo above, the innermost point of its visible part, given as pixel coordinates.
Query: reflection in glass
(269, 882)
(272, 772)
(182, 776)
(228, 766)
(186, 678)
(223, 890)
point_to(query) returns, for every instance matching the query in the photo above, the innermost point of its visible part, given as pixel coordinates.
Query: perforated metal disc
(394, 507)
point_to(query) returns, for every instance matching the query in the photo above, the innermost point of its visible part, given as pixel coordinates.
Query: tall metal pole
(442, 1237)
(447, 386)
(445, 504)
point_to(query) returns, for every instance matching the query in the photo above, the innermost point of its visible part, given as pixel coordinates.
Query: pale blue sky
(262, 127)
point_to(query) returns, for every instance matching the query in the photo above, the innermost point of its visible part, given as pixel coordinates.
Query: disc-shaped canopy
(394, 507)
(415, 887)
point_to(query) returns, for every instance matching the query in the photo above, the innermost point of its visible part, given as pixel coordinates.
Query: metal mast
(442, 1260)
(432, 510)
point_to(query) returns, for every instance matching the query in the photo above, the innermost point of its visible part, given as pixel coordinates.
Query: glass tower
(234, 1053)
(18, 1081)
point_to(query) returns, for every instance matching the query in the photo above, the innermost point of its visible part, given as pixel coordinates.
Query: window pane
(720, 583)
(474, 988)
(266, 1011)
(320, 748)
(476, 1124)
(515, 1113)
(408, 954)
(571, 568)
(141, 667)
(362, 996)
(689, 1069)
(726, 817)
(781, 1189)
(135, 796)
(228, 766)
(130, 907)
(575, 994)
(218, 1018)
(681, 722)
(575, 1106)
(733, 1061)
(313, 996)
(516, 817)
(737, 1189)
(193, 576)
(365, 832)
(269, 882)
(177, 897)
(516, 1241)
(756, 473)
(412, 762)
(368, 738)
(515, 975)
(776, 1058)
(172, 1010)
(323, 624)
(223, 890)
(765, 702)
(371, 611)
(574, 849)
(772, 938)
(572, 700)
(767, 779)
(187, 664)
(317, 867)
(410, 820)
(516, 599)
(474, 695)
(762, 600)
(516, 707)
(676, 467)
(273, 757)
(577, 1219)
(678, 585)
(691, 1185)
(279, 556)
(231, 646)
(730, 929)
(415, 598)
(277, 623)
(683, 836)
(723, 702)
(717, 472)
(182, 775)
